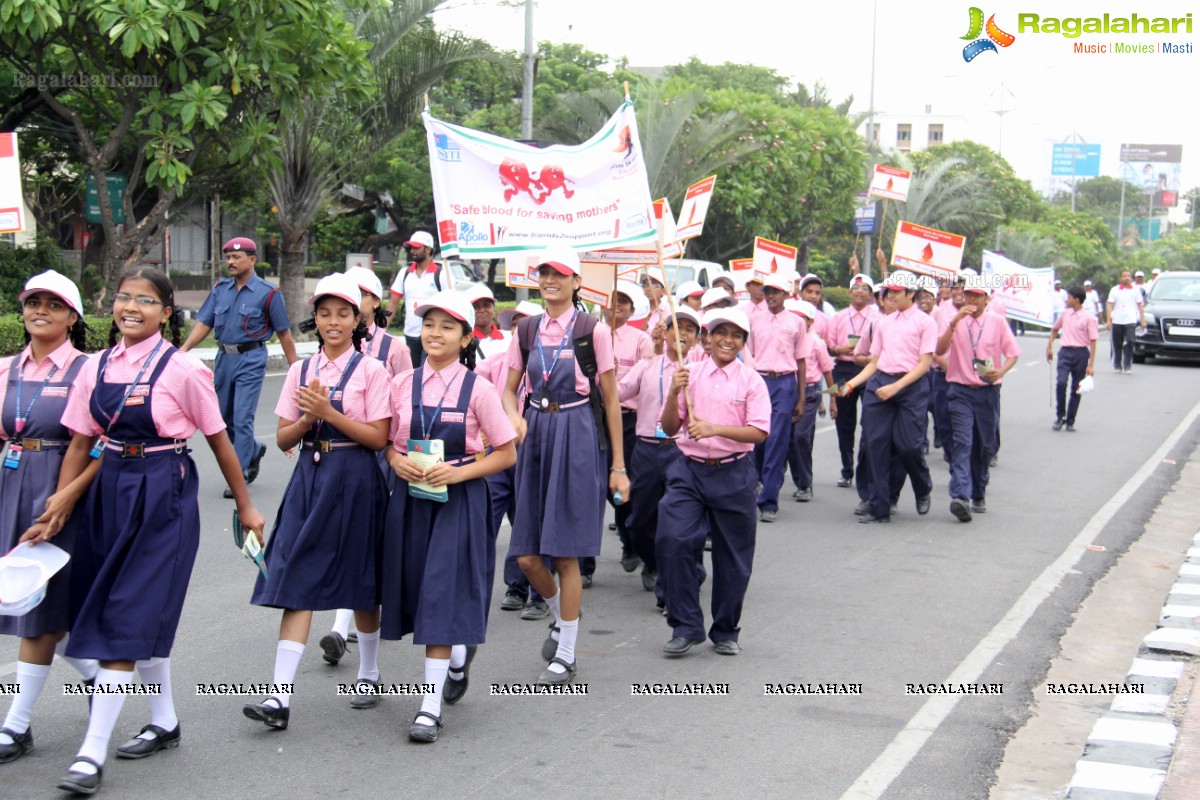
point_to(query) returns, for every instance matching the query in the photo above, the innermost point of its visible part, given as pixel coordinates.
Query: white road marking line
(888, 765)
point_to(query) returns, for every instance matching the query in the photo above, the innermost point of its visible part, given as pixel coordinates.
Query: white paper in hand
(1086, 385)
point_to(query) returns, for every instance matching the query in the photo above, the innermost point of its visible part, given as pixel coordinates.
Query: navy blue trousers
(703, 499)
(650, 464)
(784, 395)
(975, 411)
(895, 428)
(1072, 368)
(804, 430)
(847, 415)
(238, 379)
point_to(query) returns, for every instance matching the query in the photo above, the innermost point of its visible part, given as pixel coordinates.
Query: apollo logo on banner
(11, 201)
(495, 197)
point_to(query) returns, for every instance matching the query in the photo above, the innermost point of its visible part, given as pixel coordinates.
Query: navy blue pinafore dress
(24, 490)
(436, 583)
(139, 532)
(561, 479)
(324, 549)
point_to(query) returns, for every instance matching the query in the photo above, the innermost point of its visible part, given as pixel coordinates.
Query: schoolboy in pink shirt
(819, 365)
(1076, 357)
(980, 349)
(710, 490)
(896, 399)
(777, 339)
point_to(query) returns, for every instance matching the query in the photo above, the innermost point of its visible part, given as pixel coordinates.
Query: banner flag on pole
(495, 197)
(11, 200)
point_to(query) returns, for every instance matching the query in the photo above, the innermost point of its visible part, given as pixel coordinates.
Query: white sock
(106, 708)
(569, 632)
(555, 604)
(287, 660)
(458, 660)
(86, 667)
(435, 675)
(162, 705)
(341, 621)
(30, 680)
(368, 655)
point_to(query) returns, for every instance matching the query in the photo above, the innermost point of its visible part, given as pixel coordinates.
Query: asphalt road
(924, 600)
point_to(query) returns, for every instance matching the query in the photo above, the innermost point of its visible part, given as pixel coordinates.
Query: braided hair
(166, 293)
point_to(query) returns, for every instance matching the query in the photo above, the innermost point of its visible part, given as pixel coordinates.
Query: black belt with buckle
(244, 347)
(143, 449)
(325, 445)
(718, 462)
(657, 442)
(38, 445)
(769, 374)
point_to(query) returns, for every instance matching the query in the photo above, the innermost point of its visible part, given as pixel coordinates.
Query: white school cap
(56, 284)
(24, 573)
(366, 279)
(338, 285)
(456, 304)
(734, 316)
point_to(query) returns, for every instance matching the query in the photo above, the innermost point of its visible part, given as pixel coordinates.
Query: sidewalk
(1147, 745)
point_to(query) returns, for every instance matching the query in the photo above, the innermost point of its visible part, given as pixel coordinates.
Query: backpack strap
(585, 355)
(526, 331)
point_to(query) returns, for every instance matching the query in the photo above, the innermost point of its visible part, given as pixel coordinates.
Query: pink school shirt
(850, 322)
(551, 331)
(995, 342)
(734, 395)
(818, 361)
(183, 399)
(399, 358)
(750, 308)
(629, 347)
(484, 411)
(62, 358)
(901, 338)
(646, 387)
(1078, 328)
(777, 341)
(365, 396)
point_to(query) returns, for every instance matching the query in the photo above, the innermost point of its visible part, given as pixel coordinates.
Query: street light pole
(527, 100)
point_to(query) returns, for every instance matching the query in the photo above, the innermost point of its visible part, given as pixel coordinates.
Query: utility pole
(527, 99)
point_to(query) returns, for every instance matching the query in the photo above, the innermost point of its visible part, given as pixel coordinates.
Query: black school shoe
(140, 748)
(22, 743)
(81, 782)
(252, 467)
(333, 647)
(273, 716)
(453, 690)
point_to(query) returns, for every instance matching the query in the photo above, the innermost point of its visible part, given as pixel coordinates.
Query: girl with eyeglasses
(133, 408)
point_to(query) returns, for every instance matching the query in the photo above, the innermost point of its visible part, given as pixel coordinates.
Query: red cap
(240, 245)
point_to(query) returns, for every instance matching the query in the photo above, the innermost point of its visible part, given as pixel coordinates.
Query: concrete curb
(1130, 747)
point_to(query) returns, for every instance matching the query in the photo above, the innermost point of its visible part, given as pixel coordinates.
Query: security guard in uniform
(244, 310)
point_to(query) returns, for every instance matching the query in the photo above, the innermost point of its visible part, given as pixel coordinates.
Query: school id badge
(12, 458)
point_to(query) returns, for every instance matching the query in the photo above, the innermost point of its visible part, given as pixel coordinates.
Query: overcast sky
(1050, 91)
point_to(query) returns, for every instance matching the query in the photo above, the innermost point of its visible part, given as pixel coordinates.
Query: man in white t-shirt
(1060, 300)
(1126, 310)
(413, 285)
(1091, 300)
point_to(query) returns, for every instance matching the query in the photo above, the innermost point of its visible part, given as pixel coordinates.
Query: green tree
(326, 135)
(178, 95)
(744, 77)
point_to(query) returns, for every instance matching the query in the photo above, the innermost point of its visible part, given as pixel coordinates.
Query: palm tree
(940, 198)
(321, 139)
(680, 146)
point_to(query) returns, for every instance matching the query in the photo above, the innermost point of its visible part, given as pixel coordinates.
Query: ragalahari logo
(995, 36)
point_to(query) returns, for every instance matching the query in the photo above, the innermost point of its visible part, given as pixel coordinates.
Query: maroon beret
(240, 244)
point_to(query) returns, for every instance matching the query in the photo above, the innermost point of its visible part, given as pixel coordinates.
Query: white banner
(11, 201)
(1027, 292)
(495, 197)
